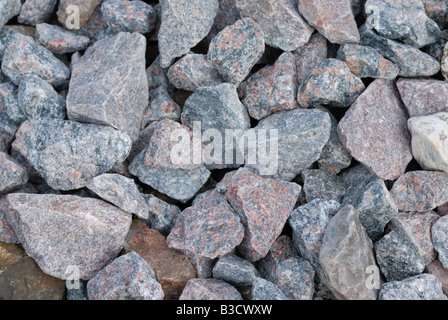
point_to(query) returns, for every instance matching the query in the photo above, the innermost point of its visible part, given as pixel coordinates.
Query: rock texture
(308, 56)
(12, 175)
(421, 287)
(265, 290)
(9, 9)
(439, 234)
(86, 9)
(60, 40)
(209, 289)
(34, 12)
(129, 16)
(235, 270)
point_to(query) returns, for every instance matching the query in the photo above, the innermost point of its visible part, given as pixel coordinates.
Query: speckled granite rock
(421, 287)
(60, 40)
(265, 290)
(12, 175)
(311, 54)
(330, 83)
(162, 215)
(230, 177)
(236, 49)
(96, 27)
(444, 63)
(34, 12)
(52, 229)
(68, 154)
(7, 234)
(8, 128)
(9, 102)
(129, 16)
(129, 277)
(9, 255)
(252, 197)
(9, 9)
(157, 76)
(439, 234)
(283, 27)
(437, 10)
(374, 131)
(86, 8)
(320, 184)
(161, 106)
(420, 190)
(333, 19)
(356, 175)
(436, 268)
(97, 95)
(436, 49)
(209, 289)
(345, 254)
(235, 270)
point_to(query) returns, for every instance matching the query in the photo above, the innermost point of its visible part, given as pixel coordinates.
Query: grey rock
(311, 54)
(157, 76)
(8, 10)
(230, 177)
(161, 106)
(421, 287)
(202, 265)
(162, 215)
(439, 233)
(319, 184)
(357, 175)
(12, 175)
(34, 12)
(235, 270)
(129, 16)
(8, 128)
(60, 40)
(209, 289)
(9, 102)
(265, 290)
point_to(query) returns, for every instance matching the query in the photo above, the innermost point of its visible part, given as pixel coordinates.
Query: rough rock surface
(374, 131)
(439, 233)
(12, 175)
(209, 289)
(9, 255)
(421, 287)
(129, 16)
(230, 177)
(7, 234)
(60, 40)
(8, 10)
(265, 290)
(59, 231)
(436, 268)
(10, 104)
(444, 64)
(34, 12)
(162, 215)
(161, 106)
(319, 184)
(227, 15)
(437, 10)
(235, 270)
(109, 85)
(86, 9)
(311, 54)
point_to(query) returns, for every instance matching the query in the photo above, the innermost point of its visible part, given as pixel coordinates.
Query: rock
(334, 20)
(404, 20)
(25, 56)
(420, 287)
(397, 257)
(365, 62)
(271, 89)
(162, 215)
(129, 16)
(236, 49)
(377, 121)
(86, 8)
(439, 233)
(436, 268)
(52, 229)
(12, 175)
(374, 204)
(282, 249)
(209, 289)
(60, 40)
(203, 265)
(444, 64)
(96, 27)
(171, 267)
(9, 9)
(209, 229)
(184, 25)
(235, 270)
(9, 255)
(443, 209)
(193, 71)
(38, 100)
(68, 154)
(416, 227)
(420, 190)
(157, 76)
(282, 25)
(161, 106)
(330, 83)
(226, 15)
(320, 184)
(8, 128)
(36, 11)
(437, 10)
(25, 281)
(265, 290)
(120, 191)
(345, 254)
(310, 55)
(129, 277)
(301, 136)
(7, 234)
(9, 102)
(78, 294)
(436, 49)
(98, 95)
(230, 177)
(411, 61)
(357, 175)
(256, 197)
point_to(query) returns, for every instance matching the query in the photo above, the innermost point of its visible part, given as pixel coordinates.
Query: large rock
(209, 289)
(60, 40)
(235, 270)
(8, 10)
(421, 287)
(34, 12)
(12, 175)
(109, 85)
(62, 231)
(439, 233)
(129, 16)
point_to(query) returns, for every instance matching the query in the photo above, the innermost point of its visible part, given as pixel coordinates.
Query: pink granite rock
(308, 56)
(7, 234)
(436, 268)
(209, 289)
(12, 175)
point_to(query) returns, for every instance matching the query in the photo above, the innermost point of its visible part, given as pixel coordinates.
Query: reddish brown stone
(12, 175)
(9, 254)
(308, 56)
(209, 289)
(436, 268)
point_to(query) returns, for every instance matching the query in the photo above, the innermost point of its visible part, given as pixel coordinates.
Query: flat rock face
(86, 8)
(235, 270)
(437, 10)
(9, 9)
(161, 106)
(333, 19)
(68, 154)
(59, 231)
(162, 215)
(439, 233)
(24, 56)
(345, 254)
(436, 268)
(129, 277)
(421, 287)
(129, 16)
(12, 175)
(429, 140)
(34, 12)
(404, 20)
(209, 289)
(7, 234)
(423, 97)
(60, 40)
(420, 190)
(309, 55)
(265, 290)
(283, 27)
(374, 131)
(319, 184)
(10, 254)
(184, 24)
(109, 85)
(330, 83)
(236, 49)
(255, 197)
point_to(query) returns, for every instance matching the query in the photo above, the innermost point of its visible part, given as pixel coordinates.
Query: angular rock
(330, 83)
(282, 249)
(227, 15)
(129, 277)
(209, 289)
(157, 76)
(60, 40)
(320, 184)
(120, 191)
(333, 19)
(25, 56)
(230, 177)
(357, 175)
(411, 61)
(437, 10)
(420, 287)
(184, 25)
(235, 270)
(7, 234)
(436, 268)
(161, 106)
(345, 254)
(271, 89)
(374, 131)
(38, 100)
(444, 64)
(162, 215)
(34, 12)
(86, 8)
(203, 265)
(9, 255)
(96, 27)
(439, 234)
(420, 190)
(12, 175)
(68, 154)
(209, 229)
(10, 104)
(8, 10)
(109, 85)
(283, 27)
(311, 54)
(236, 49)
(129, 16)
(265, 290)
(171, 267)
(404, 20)
(256, 197)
